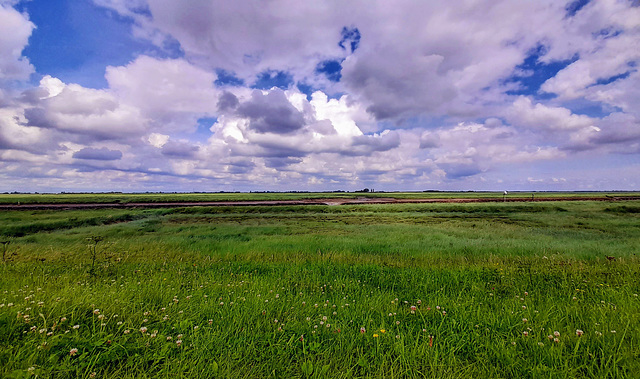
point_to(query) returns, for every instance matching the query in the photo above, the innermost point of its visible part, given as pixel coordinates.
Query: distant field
(195, 197)
(517, 290)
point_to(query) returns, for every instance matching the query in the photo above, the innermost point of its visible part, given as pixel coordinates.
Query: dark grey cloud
(388, 83)
(4, 143)
(102, 154)
(324, 127)
(460, 170)
(271, 113)
(5, 99)
(33, 95)
(367, 144)
(227, 102)
(281, 163)
(241, 166)
(38, 117)
(621, 134)
(267, 150)
(179, 149)
(429, 140)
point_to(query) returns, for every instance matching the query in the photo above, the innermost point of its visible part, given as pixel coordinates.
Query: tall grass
(359, 291)
(126, 198)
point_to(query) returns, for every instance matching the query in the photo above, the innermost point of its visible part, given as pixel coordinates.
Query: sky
(289, 95)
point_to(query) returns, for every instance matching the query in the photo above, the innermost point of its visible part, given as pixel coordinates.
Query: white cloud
(422, 101)
(102, 154)
(15, 29)
(283, 124)
(441, 56)
(157, 140)
(86, 112)
(619, 130)
(623, 93)
(51, 86)
(524, 113)
(173, 93)
(605, 36)
(14, 134)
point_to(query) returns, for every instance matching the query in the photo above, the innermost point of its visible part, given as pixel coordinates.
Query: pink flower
(579, 332)
(363, 330)
(73, 352)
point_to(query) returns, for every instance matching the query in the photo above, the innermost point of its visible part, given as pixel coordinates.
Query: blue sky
(156, 95)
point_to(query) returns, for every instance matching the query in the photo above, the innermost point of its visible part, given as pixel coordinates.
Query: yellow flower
(383, 330)
(375, 335)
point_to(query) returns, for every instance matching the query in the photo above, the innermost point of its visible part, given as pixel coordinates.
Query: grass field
(125, 198)
(508, 290)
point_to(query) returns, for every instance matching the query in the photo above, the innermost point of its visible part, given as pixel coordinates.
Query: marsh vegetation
(520, 290)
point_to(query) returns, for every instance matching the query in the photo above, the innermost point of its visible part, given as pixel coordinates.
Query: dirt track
(309, 202)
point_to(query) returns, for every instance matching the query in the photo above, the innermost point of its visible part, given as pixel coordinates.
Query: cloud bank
(290, 95)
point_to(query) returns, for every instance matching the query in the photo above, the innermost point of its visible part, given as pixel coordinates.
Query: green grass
(441, 290)
(125, 198)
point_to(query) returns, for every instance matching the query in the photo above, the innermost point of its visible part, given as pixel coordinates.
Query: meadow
(504, 290)
(126, 198)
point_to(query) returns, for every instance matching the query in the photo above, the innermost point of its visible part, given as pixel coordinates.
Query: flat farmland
(504, 289)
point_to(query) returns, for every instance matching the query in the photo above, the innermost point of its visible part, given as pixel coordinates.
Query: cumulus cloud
(14, 134)
(539, 116)
(429, 140)
(404, 94)
(285, 124)
(15, 30)
(605, 35)
(271, 113)
(227, 102)
(621, 130)
(179, 149)
(94, 114)
(173, 93)
(623, 93)
(366, 144)
(102, 154)
(448, 51)
(468, 149)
